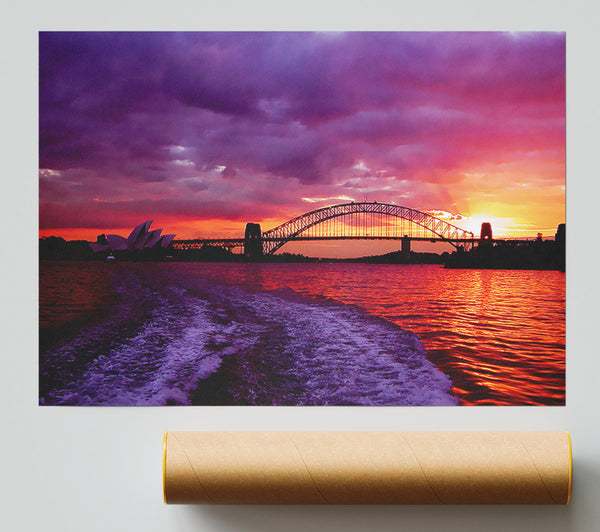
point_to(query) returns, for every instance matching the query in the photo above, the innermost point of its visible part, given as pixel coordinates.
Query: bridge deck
(233, 242)
(236, 242)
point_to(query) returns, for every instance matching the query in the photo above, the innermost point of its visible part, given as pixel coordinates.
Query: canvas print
(301, 218)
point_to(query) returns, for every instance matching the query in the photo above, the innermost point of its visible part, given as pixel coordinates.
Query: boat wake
(187, 340)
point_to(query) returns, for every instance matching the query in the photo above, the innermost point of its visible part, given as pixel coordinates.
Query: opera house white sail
(140, 238)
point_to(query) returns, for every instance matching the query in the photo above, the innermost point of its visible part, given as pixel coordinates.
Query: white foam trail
(289, 350)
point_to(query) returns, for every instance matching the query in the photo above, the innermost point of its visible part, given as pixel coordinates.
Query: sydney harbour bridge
(348, 221)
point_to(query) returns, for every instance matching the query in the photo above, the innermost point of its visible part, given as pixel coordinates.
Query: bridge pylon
(253, 242)
(405, 249)
(485, 235)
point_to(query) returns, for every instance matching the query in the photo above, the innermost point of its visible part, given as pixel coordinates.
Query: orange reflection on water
(499, 334)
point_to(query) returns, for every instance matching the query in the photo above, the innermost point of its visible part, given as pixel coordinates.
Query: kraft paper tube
(367, 467)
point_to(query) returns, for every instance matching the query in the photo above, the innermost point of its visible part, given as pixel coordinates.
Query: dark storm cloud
(129, 111)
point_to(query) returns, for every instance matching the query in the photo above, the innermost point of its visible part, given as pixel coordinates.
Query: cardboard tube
(367, 467)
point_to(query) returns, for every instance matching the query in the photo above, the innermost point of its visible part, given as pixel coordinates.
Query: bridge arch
(275, 238)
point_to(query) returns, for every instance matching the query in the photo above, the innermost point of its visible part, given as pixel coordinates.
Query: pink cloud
(261, 120)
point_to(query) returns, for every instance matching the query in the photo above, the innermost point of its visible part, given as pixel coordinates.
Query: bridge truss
(377, 221)
(350, 221)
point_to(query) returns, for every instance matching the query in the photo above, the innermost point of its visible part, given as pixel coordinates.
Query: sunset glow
(203, 132)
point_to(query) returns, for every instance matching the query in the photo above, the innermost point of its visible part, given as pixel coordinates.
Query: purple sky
(205, 131)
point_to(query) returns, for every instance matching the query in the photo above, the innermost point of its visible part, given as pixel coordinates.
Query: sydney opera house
(141, 238)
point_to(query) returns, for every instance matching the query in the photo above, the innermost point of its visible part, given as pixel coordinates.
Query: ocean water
(298, 334)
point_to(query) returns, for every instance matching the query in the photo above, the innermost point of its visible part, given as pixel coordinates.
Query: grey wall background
(93, 469)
